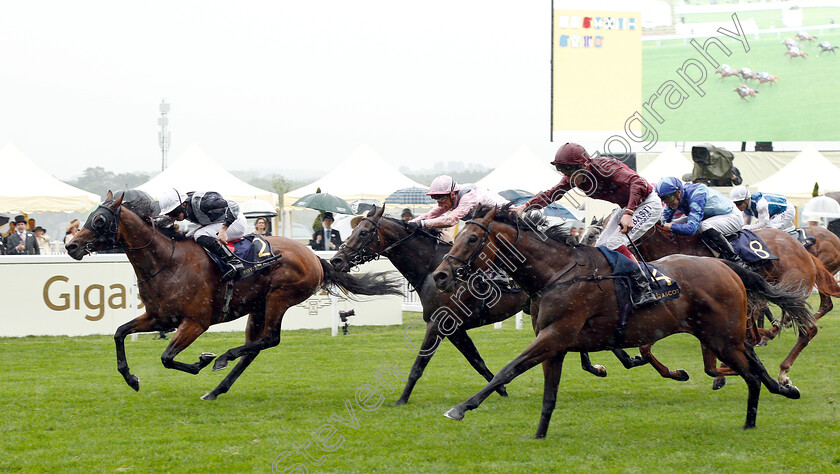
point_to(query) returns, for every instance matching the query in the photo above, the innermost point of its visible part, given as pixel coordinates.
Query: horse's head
(101, 229)
(363, 245)
(590, 235)
(469, 245)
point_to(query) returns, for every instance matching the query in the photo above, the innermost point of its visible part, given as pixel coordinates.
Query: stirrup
(646, 298)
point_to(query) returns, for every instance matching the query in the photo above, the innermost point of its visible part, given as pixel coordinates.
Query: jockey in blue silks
(768, 210)
(705, 210)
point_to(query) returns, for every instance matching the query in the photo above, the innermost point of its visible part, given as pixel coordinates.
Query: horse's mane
(506, 216)
(147, 209)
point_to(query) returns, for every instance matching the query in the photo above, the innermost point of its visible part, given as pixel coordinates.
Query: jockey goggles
(567, 170)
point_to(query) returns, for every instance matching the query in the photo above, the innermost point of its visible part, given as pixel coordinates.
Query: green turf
(798, 108)
(769, 18)
(65, 408)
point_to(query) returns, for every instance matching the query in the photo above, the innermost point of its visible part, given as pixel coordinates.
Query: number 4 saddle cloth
(751, 248)
(254, 252)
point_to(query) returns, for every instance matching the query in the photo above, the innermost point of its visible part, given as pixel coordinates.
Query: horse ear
(119, 200)
(378, 214)
(594, 221)
(490, 215)
(109, 196)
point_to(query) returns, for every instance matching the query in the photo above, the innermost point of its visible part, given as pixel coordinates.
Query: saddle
(254, 252)
(752, 250)
(804, 237)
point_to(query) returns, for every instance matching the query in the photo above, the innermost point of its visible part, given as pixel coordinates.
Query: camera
(344, 315)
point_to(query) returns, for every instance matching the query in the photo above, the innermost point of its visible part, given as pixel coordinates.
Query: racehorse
(791, 43)
(416, 255)
(795, 267)
(803, 36)
(827, 250)
(825, 46)
(764, 77)
(726, 71)
(746, 74)
(578, 307)
(181, 288)
(745, 91)
(796, 53)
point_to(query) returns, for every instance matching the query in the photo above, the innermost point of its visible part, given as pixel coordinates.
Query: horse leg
(256, 326)
(826, 305)
(627, 361)
(142, 323)
(596, 370)
(465, 345)
(428, 347)
(712, 370)
(543, 347)
(679, 374)
(552, 368)
(805, 336)
(187, 333)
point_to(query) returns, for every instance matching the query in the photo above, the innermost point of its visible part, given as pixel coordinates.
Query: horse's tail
(826, 283)
(787, 297)
(370, 284)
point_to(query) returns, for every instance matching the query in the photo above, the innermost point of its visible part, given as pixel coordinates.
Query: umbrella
(517, 196)
(822, 206)
(4, 219)
(409, 196)
(324, 202)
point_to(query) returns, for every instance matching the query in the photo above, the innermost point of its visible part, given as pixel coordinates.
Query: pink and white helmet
(443, 185)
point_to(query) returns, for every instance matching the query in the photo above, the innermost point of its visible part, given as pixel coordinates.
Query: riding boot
(641, 281)
(715, 239)
(222, 251)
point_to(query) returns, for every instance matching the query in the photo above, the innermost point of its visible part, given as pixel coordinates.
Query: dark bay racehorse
(181, 288)
(447, 315)
(827, 250)
(578, 310)
(794, 268)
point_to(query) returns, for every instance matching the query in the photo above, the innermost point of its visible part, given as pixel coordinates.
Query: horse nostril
(70, 247)
(337, 262)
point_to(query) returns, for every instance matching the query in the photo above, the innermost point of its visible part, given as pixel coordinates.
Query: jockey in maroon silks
(610, 180)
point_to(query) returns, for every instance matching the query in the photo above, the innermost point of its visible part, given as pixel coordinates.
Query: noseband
(361, 255)
(466, 268)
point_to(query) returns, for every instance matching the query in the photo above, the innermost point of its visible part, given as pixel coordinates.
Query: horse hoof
(219, 364)
(133, 382)
(400, 402)
(454, 414)
(209, 396)
(600, 370)
(762, 342)
(207, 355)
(502, 391)
(682, 376)
(793, 392)
(718, 383)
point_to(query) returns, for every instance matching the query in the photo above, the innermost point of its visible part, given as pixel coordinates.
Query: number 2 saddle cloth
(255, 253)
(751, 248)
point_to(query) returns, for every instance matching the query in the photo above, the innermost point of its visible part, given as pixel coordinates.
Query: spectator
(326, 238)
(21, 241)
(407, 215)
(72, 228)
(43, 240)
(573, 235)
(30, 225)
(261, 226)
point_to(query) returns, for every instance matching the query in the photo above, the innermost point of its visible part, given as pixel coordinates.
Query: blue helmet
(668, 185)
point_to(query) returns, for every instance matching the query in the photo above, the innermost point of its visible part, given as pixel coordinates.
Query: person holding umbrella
(326, 238)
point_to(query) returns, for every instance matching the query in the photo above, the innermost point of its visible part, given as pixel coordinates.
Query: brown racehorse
(578, 309)
(181, 289)
(827, 250)
(795, 267)
(447, 316)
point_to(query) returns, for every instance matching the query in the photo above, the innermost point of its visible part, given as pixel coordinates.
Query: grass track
(800, 107)
(65, 408)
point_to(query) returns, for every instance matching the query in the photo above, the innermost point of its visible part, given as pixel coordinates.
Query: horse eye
(98, 222)
(363, 233)
(473, 239)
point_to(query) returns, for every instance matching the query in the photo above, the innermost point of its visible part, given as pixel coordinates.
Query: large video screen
(756, 75)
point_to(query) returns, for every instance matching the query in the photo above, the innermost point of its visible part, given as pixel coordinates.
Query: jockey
(610, 180)
(768, 210)
(454, 202)
(220, 221)
(705, 210)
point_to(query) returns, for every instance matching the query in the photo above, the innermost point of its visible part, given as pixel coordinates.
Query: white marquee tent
(28, 188)
(194, 170)
(522, 170)
(669, 163)
(363, 175)
(796, 179)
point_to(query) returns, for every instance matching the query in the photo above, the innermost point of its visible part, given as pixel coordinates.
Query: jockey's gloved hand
(412, 226)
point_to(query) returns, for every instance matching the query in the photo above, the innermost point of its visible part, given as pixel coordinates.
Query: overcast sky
(274, 84)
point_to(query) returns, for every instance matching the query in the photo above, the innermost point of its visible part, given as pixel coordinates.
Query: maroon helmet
(571, 154)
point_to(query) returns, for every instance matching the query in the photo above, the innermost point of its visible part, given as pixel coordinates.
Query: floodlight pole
(164, 137)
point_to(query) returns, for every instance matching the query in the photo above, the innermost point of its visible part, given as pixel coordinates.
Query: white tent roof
(194, 170)
(669, 163)
(363, 175)
(797, 178)
(28, 188)
(522, 170)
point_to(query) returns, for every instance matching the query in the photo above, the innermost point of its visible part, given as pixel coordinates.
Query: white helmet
(443, 185)
(739, 193)
(169, 200)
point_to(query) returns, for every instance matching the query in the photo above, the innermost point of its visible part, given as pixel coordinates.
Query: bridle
(108, 235)
(466, 268)
(361, 254)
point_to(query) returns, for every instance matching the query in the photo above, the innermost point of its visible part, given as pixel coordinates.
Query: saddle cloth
(751, 248)
(253, 250)
(662, 286)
